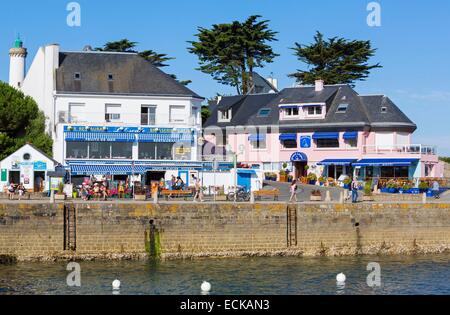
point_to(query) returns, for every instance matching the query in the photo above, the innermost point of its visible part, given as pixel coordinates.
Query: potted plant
(407, 189)
(140, 194)
(268, 176)
(60, 195)
(290, 178)
(423, 187)
(316, 195)
(368, 195)
(312, 178)
(347, 182)
(392, 188)
(322, 181)
(283, 176)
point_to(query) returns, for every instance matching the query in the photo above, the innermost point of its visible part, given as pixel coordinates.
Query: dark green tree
(21, 122)
(125, 45)
(230, 52)
(336, 60)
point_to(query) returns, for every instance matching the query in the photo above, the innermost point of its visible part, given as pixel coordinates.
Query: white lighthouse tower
(17, 56)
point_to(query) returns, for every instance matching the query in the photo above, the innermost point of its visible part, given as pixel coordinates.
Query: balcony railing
(409, 149)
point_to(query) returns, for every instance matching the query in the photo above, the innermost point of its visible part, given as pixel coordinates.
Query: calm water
(288, 276)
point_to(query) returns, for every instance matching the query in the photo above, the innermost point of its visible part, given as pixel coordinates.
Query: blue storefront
(122, 152)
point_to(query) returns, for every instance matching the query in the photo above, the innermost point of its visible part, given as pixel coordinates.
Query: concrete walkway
(304, 191)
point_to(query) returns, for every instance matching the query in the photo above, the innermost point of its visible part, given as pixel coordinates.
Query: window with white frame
(148, 115)
(224, 115)
(314, 110)
(112, 112)
(291, 111)
(177, 114)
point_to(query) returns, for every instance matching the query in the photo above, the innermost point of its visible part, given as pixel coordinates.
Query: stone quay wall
(37, 231)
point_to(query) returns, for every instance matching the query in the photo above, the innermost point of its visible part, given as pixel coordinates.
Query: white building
(28, 166)
(112, 113)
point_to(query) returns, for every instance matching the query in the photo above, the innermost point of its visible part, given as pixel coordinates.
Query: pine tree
(230, 52)
(336, 60)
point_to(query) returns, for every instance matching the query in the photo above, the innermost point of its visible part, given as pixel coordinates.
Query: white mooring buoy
(116, 285)
(206, 287)
(341, 278)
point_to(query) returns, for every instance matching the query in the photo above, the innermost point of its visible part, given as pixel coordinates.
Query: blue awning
(99, 137)
(386, 162)
(246, 171)
(289, 106)
(344, 162)
(165, 138)
(325, 135)
(299, 157)
(351, 135)
(106, 170)
(288, 136)
(259, 137)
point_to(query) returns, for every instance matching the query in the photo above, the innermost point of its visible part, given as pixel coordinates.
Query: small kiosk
(28, 166)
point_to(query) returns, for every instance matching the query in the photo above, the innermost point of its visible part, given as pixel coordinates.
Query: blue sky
(413, 41)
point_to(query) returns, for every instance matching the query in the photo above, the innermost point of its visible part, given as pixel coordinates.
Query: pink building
(328, 130)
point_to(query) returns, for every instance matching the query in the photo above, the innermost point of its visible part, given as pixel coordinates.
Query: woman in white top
(294, 188)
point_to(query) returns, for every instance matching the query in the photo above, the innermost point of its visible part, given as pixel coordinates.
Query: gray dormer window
(342, 108)
(265, 112)
(384, 109)
(77, 76)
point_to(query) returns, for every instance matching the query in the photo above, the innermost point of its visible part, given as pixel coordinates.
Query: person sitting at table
(180, 184)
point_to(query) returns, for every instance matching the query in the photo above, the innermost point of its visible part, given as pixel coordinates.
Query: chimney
(319, 85)
(273, 81)
(219, 98)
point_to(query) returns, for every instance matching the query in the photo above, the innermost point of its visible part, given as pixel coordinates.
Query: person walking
(294, 188)
(198, 189)
(21, 189)
(355, 187)
(436, 190)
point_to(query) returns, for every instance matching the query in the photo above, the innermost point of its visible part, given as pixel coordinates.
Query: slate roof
(363, 112)
(132, 75)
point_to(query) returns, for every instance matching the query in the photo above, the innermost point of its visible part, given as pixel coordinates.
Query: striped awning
(107, 170)
(99, 137)
(165, 138)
